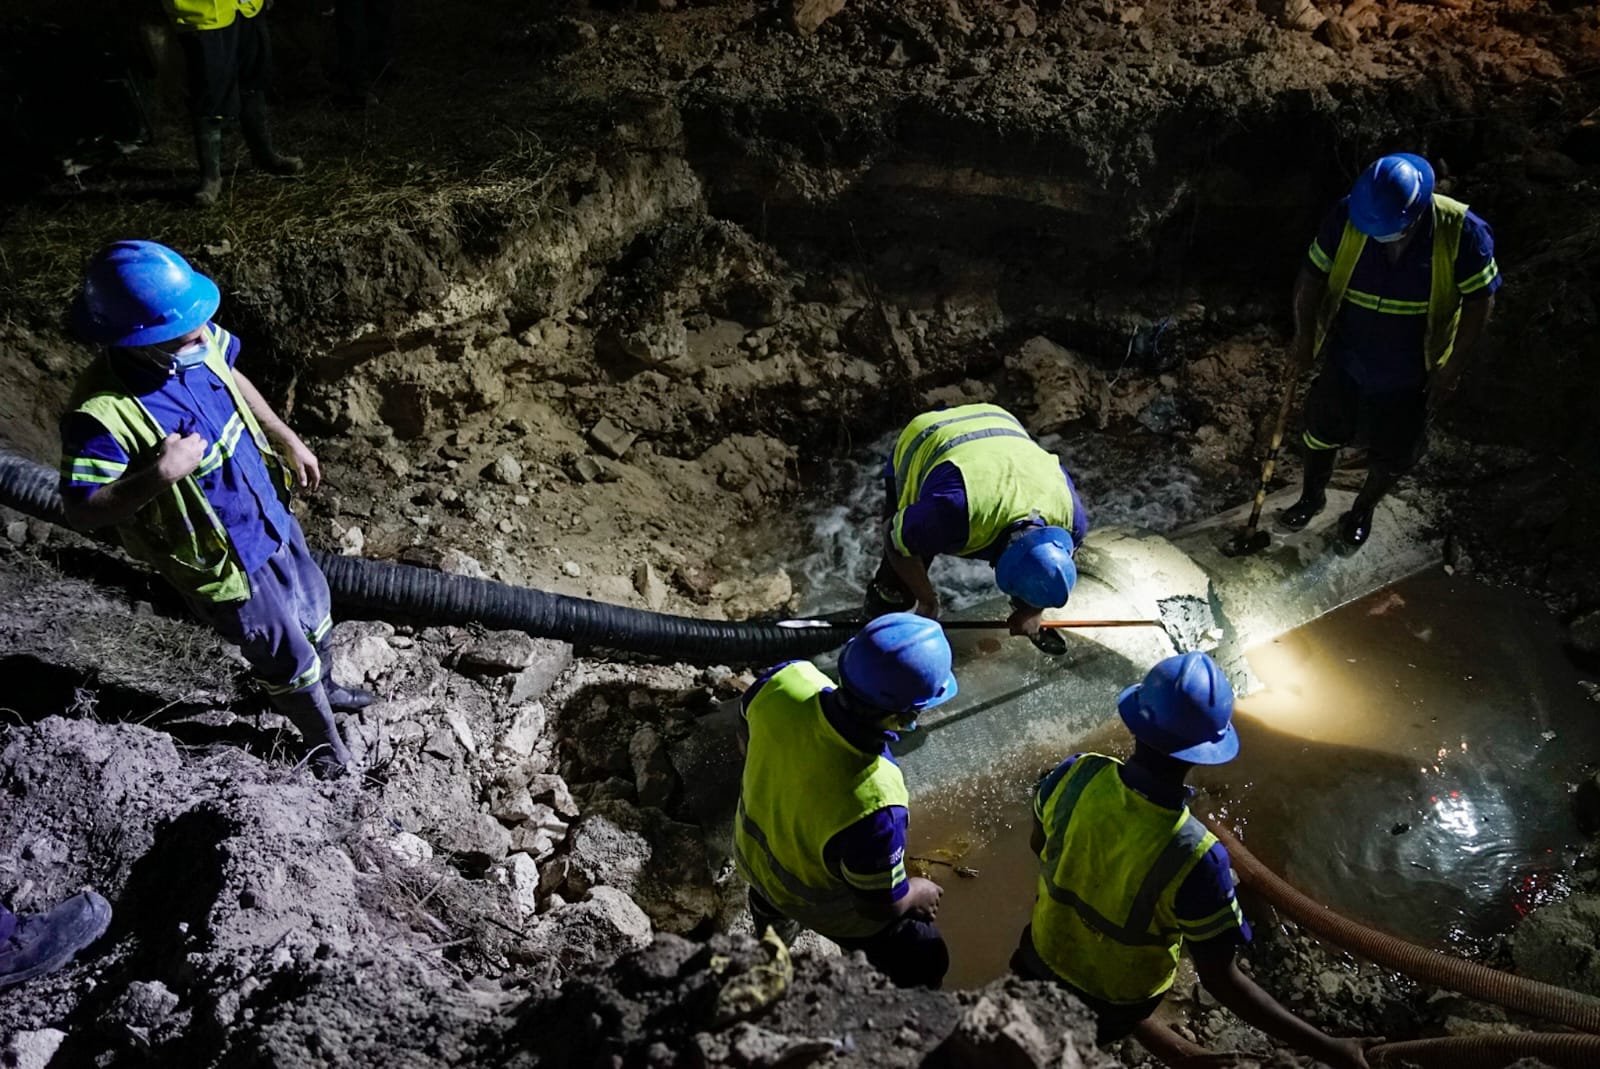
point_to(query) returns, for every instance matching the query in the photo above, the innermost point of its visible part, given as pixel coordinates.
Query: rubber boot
(41, 943)
(886, 594)
(208, 151)
(1355, 526)
(1313, 491)
(341, 699)
(309, 712)
(258, 135)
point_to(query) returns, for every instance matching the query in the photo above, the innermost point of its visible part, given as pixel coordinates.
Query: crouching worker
(821, 828)
(1128, 876)
(167, 443)
(971, 482)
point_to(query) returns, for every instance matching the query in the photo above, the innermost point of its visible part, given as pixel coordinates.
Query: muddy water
(1408, 762)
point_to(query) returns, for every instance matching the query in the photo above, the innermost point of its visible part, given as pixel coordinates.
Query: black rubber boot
(1355, 526)
(41, 943)
(208, 153)
(886, 594)
(1313, 491)
(309, 712)
(258, 135)
(341, 699)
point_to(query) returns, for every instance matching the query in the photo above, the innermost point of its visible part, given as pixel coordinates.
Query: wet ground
(1408, 762)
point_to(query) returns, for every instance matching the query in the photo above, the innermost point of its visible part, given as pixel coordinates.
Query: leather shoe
(346, 700)
(1297, 515)
(1355, 527)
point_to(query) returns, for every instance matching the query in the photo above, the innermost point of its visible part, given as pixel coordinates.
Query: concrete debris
(527, 725)
(142, 1008)
(613, 440)
(441, 743)
(650, 586)
(1302, 15)
(499, 652)
(551, 788)
(462, 731)
(352, 541)
(31, 1049)
(805, 17)
(455, 562)
(540, 833)
(17, 534)
(476, 840)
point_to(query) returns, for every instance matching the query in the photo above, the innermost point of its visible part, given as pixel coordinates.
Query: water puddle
(1408, 762)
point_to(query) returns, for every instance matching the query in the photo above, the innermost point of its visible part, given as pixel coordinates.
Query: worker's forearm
(1254, 1006)
(914, 574)
(1474, 318)
(259, 408)
(116, 502)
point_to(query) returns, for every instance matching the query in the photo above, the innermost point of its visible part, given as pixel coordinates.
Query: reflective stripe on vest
(802, 785)
(177, 533)
(1007, 476)
(1443, 307)
(1113, 861)
(209, 14)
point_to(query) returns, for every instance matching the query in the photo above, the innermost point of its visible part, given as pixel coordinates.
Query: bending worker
(971, 482)
(820, 833)
(1127, 876)
(1399, 280)
(167, 442)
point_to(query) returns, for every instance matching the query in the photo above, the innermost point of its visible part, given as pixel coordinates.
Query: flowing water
(1408, 762)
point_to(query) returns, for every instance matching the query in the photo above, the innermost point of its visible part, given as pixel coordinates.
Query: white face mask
(191, 354)
(1390, 239)
(157, 358)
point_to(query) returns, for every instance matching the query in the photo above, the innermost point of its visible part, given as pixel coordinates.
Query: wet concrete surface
(1408, 761)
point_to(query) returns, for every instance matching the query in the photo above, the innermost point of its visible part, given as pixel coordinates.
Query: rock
(762, 595)
(550, 658)
(463, 734)
(753, 1046)
(361, 651)
(31, 1050)
(352, 541)
(572, 568)
(522, 879)
(499, 652)
(553, 789)
(477, 841)
(871, 334)
(143, 1006)
(1067, 387)
(1302, 15)
(1584, 633)
(651, 587)
(661, 863)
(527, 725)
(455, 562)
(1340, 34)
(1026, 20)
(653, 776)
(505, 470)
(604, 926)
(999, 1032)
(805, 17)
(1560, 944)
(17, 534)
(411, 850)
(442, 744)
(590, 470)
(612, 439)
(540, 834)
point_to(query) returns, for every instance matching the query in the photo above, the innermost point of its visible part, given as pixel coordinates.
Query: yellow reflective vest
(209, 14)
(177, 533)
(1104, 919)
(803, 784)
(1443, 307)
(1008, 477)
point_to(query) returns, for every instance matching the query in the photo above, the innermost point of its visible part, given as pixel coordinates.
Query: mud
(755, 251)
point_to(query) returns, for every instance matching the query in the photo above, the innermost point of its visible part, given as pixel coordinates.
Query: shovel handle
(969, 625)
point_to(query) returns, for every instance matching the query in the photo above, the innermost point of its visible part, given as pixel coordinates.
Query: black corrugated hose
(422, 594)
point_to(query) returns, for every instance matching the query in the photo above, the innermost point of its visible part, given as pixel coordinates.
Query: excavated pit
(758, 253)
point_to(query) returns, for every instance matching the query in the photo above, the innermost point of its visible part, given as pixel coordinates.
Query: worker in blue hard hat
(1397, 287)
(169, 444)
(820, 833)
(971, 482)
(1128, 877)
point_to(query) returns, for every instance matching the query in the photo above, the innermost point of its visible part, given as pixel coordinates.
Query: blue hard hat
(1037, 567)
(141, 293)
(899, 662)
(1391, 194)
(1184, 709)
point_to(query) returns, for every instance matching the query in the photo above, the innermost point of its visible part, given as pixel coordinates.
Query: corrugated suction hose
(1518, 993)
(1564, 1050)
(436, 597)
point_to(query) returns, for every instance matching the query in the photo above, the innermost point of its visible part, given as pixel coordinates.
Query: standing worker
(229, 55)
(1127, 876)
(971, 482)
(1389, 312)
(820, 833)
(167, 442)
